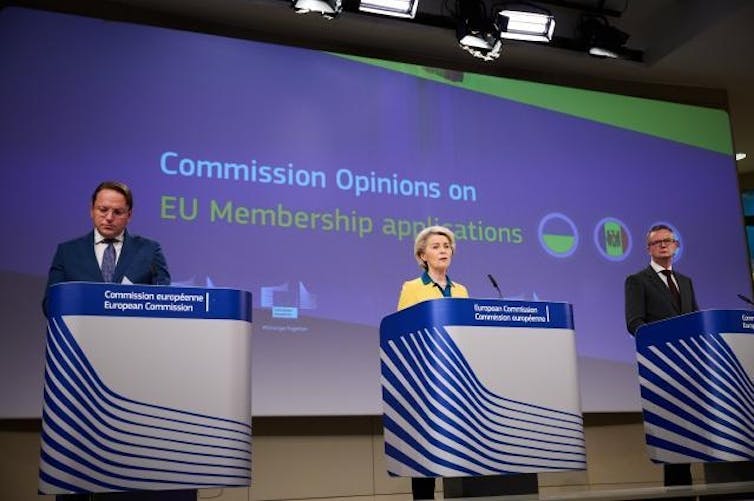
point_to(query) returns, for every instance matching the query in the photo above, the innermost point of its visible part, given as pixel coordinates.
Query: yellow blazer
(418, 290)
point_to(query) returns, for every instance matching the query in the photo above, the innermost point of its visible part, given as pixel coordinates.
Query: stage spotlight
(482, 44)
(329, 9)
(601, 39)
(523, 25)
(394, 8)
(476, 33)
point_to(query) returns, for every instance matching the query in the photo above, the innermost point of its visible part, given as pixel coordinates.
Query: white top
(100, 245)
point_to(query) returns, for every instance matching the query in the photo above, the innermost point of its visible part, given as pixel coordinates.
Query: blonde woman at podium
(433, 249)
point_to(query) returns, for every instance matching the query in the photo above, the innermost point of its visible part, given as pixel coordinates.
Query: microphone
(494, 284)
(745, 299)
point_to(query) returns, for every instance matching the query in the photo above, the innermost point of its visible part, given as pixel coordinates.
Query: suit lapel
(126, 256)
(662, 287)
(685, 290)
(90, 264)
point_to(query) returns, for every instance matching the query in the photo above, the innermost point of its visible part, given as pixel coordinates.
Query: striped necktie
(108, 260)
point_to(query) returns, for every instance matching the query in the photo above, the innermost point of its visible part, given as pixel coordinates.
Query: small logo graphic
(558, 235)
(612, 239)
(286, 303)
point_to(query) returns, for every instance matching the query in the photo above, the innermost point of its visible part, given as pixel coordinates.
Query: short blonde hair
(420, 244)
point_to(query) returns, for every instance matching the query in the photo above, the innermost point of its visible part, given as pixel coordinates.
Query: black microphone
(494, 284)
(745, 299)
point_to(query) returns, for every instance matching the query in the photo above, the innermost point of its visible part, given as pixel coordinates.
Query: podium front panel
(480, 387)
(695, 377)
(146, 388)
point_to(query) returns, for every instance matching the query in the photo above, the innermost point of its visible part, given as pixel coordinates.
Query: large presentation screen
(303, 177)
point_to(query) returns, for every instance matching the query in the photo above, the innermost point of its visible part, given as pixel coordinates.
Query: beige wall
(305, 458)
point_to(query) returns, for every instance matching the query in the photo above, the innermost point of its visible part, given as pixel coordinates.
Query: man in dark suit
(655, 293)
(133, 259)
(109, 253)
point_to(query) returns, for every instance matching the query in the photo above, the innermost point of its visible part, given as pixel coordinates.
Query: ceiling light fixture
(394, 8)
(480, 43)
(601, 39)
(476, 33)
(522, 25)
(329, 9)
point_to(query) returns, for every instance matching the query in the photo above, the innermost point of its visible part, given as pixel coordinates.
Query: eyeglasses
(104, 211)
(664, 241)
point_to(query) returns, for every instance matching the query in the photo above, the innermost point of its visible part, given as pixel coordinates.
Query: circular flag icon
(612, 238)
(558, 235)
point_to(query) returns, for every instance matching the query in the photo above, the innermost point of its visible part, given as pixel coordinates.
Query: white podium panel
(480, 387)
(696, 374)
(146, 388)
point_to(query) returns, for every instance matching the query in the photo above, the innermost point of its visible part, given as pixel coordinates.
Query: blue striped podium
(146, 388)
(696, 376)
(480, 387)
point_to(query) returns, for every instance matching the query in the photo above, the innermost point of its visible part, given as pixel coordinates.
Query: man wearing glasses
(655, 293)
(109, 253)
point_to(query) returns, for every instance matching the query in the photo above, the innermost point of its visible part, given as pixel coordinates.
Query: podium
(479, 387)
(695, 377)
(146, 388)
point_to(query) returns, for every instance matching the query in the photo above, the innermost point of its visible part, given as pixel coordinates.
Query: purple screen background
(86, 100)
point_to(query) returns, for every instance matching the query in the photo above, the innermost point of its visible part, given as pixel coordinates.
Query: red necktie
(673, 288)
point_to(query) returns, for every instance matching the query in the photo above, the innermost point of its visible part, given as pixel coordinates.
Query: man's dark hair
(121, 188)
(659, 227)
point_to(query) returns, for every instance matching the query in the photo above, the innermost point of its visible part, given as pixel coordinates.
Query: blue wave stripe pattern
(698, 401)
(95, 440)
(440, 420)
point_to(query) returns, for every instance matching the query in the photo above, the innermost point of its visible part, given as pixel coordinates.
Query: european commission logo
(612, 239)
(286, 301)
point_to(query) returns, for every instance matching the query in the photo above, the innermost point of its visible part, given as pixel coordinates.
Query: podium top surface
(159, 301)
(694, 324)
(480, 312)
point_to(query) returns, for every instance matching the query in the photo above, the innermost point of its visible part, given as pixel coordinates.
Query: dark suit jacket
(141, 261)
(648, 299)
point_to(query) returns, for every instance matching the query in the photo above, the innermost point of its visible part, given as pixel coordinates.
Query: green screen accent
(558, 243)
(706, 128)
(613, 239)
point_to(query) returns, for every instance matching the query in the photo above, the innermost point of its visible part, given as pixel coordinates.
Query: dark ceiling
(692, 51)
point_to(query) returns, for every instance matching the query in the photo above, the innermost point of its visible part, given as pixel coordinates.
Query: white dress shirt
(658, 269)
(100, 245)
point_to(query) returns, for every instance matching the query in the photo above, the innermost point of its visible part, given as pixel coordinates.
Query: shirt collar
(98, 238)
(658, 268)
(426, 279)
